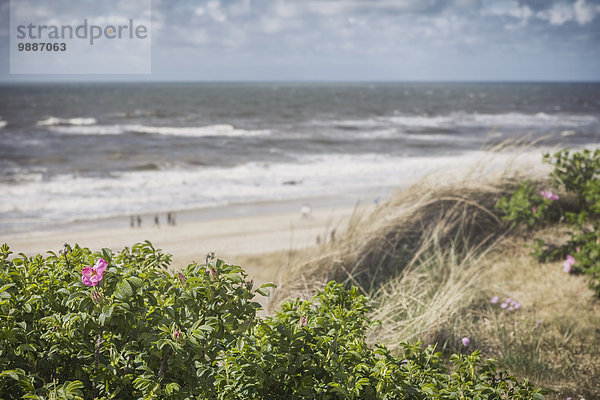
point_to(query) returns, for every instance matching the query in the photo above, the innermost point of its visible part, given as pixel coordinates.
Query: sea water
(72, 152)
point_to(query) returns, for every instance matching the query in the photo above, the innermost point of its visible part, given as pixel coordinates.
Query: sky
(361, 40)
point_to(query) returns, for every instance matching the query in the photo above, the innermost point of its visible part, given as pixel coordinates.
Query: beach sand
(233, 233)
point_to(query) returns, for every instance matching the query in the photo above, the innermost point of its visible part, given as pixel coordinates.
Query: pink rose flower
(549, 195)
(568, 263)
(91, 276)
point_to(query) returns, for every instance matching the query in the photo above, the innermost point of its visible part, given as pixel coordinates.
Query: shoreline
(253, 207)
(229, 231)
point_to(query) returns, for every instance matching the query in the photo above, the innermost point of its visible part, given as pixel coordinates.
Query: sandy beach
(231, 232)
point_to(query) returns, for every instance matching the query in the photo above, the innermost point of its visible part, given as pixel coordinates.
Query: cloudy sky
(216, 40)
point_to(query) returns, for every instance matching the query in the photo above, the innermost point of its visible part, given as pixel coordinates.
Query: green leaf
(73, 388)
(172, 388)
(123, 291)
(206, 328)
(263, 292)
(106, 314)
(135, 282)
(11, 373)
(268, 285)
(236, 278)
(5, 287)
(239, 343)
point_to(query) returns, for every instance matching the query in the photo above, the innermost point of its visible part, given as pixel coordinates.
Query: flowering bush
(585, 255)
(138, 331)
(525, 205)
(577, 173)
(317, 349)
(83, 325)
(80, 325)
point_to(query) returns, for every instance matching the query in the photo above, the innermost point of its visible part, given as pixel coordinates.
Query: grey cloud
(400, 39)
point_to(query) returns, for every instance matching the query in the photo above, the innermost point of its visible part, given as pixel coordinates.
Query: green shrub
(317, 349)
(591, 195)
(577, 173)
(524, 206)
(145, 333)
(586, 251)
(305, 349)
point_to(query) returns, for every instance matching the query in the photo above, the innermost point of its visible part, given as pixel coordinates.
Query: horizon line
(297, 81)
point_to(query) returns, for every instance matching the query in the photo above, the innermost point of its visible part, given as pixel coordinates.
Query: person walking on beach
(139, 221)
(156, 221)
(305, 211)
(132, 222)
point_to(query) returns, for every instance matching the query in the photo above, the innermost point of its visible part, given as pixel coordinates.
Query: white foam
(89, 130)
(351, 123)
(66, 198)
(472, 120)
(54, 121)
(418, 137)
(211, 130)
(515, 120)
(198, 131)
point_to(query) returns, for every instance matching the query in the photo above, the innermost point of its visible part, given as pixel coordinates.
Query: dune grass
(434, 255)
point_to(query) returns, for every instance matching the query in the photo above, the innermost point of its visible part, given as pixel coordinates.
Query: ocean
(85, 152)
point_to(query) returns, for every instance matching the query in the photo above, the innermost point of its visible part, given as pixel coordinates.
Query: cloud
(509, 9)
(561, 13)
(558, 14)
(468, 37)
(585, 13)
(326, 30)
(336, 7)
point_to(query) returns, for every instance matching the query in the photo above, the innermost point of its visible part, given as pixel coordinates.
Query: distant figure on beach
(318, 240)
(171, 218)
(332, 236)
(132, 222)
(305, 211)
(139, 221)
(156, 221)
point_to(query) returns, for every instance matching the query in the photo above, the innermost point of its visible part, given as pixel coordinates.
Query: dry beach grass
(432, 258)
